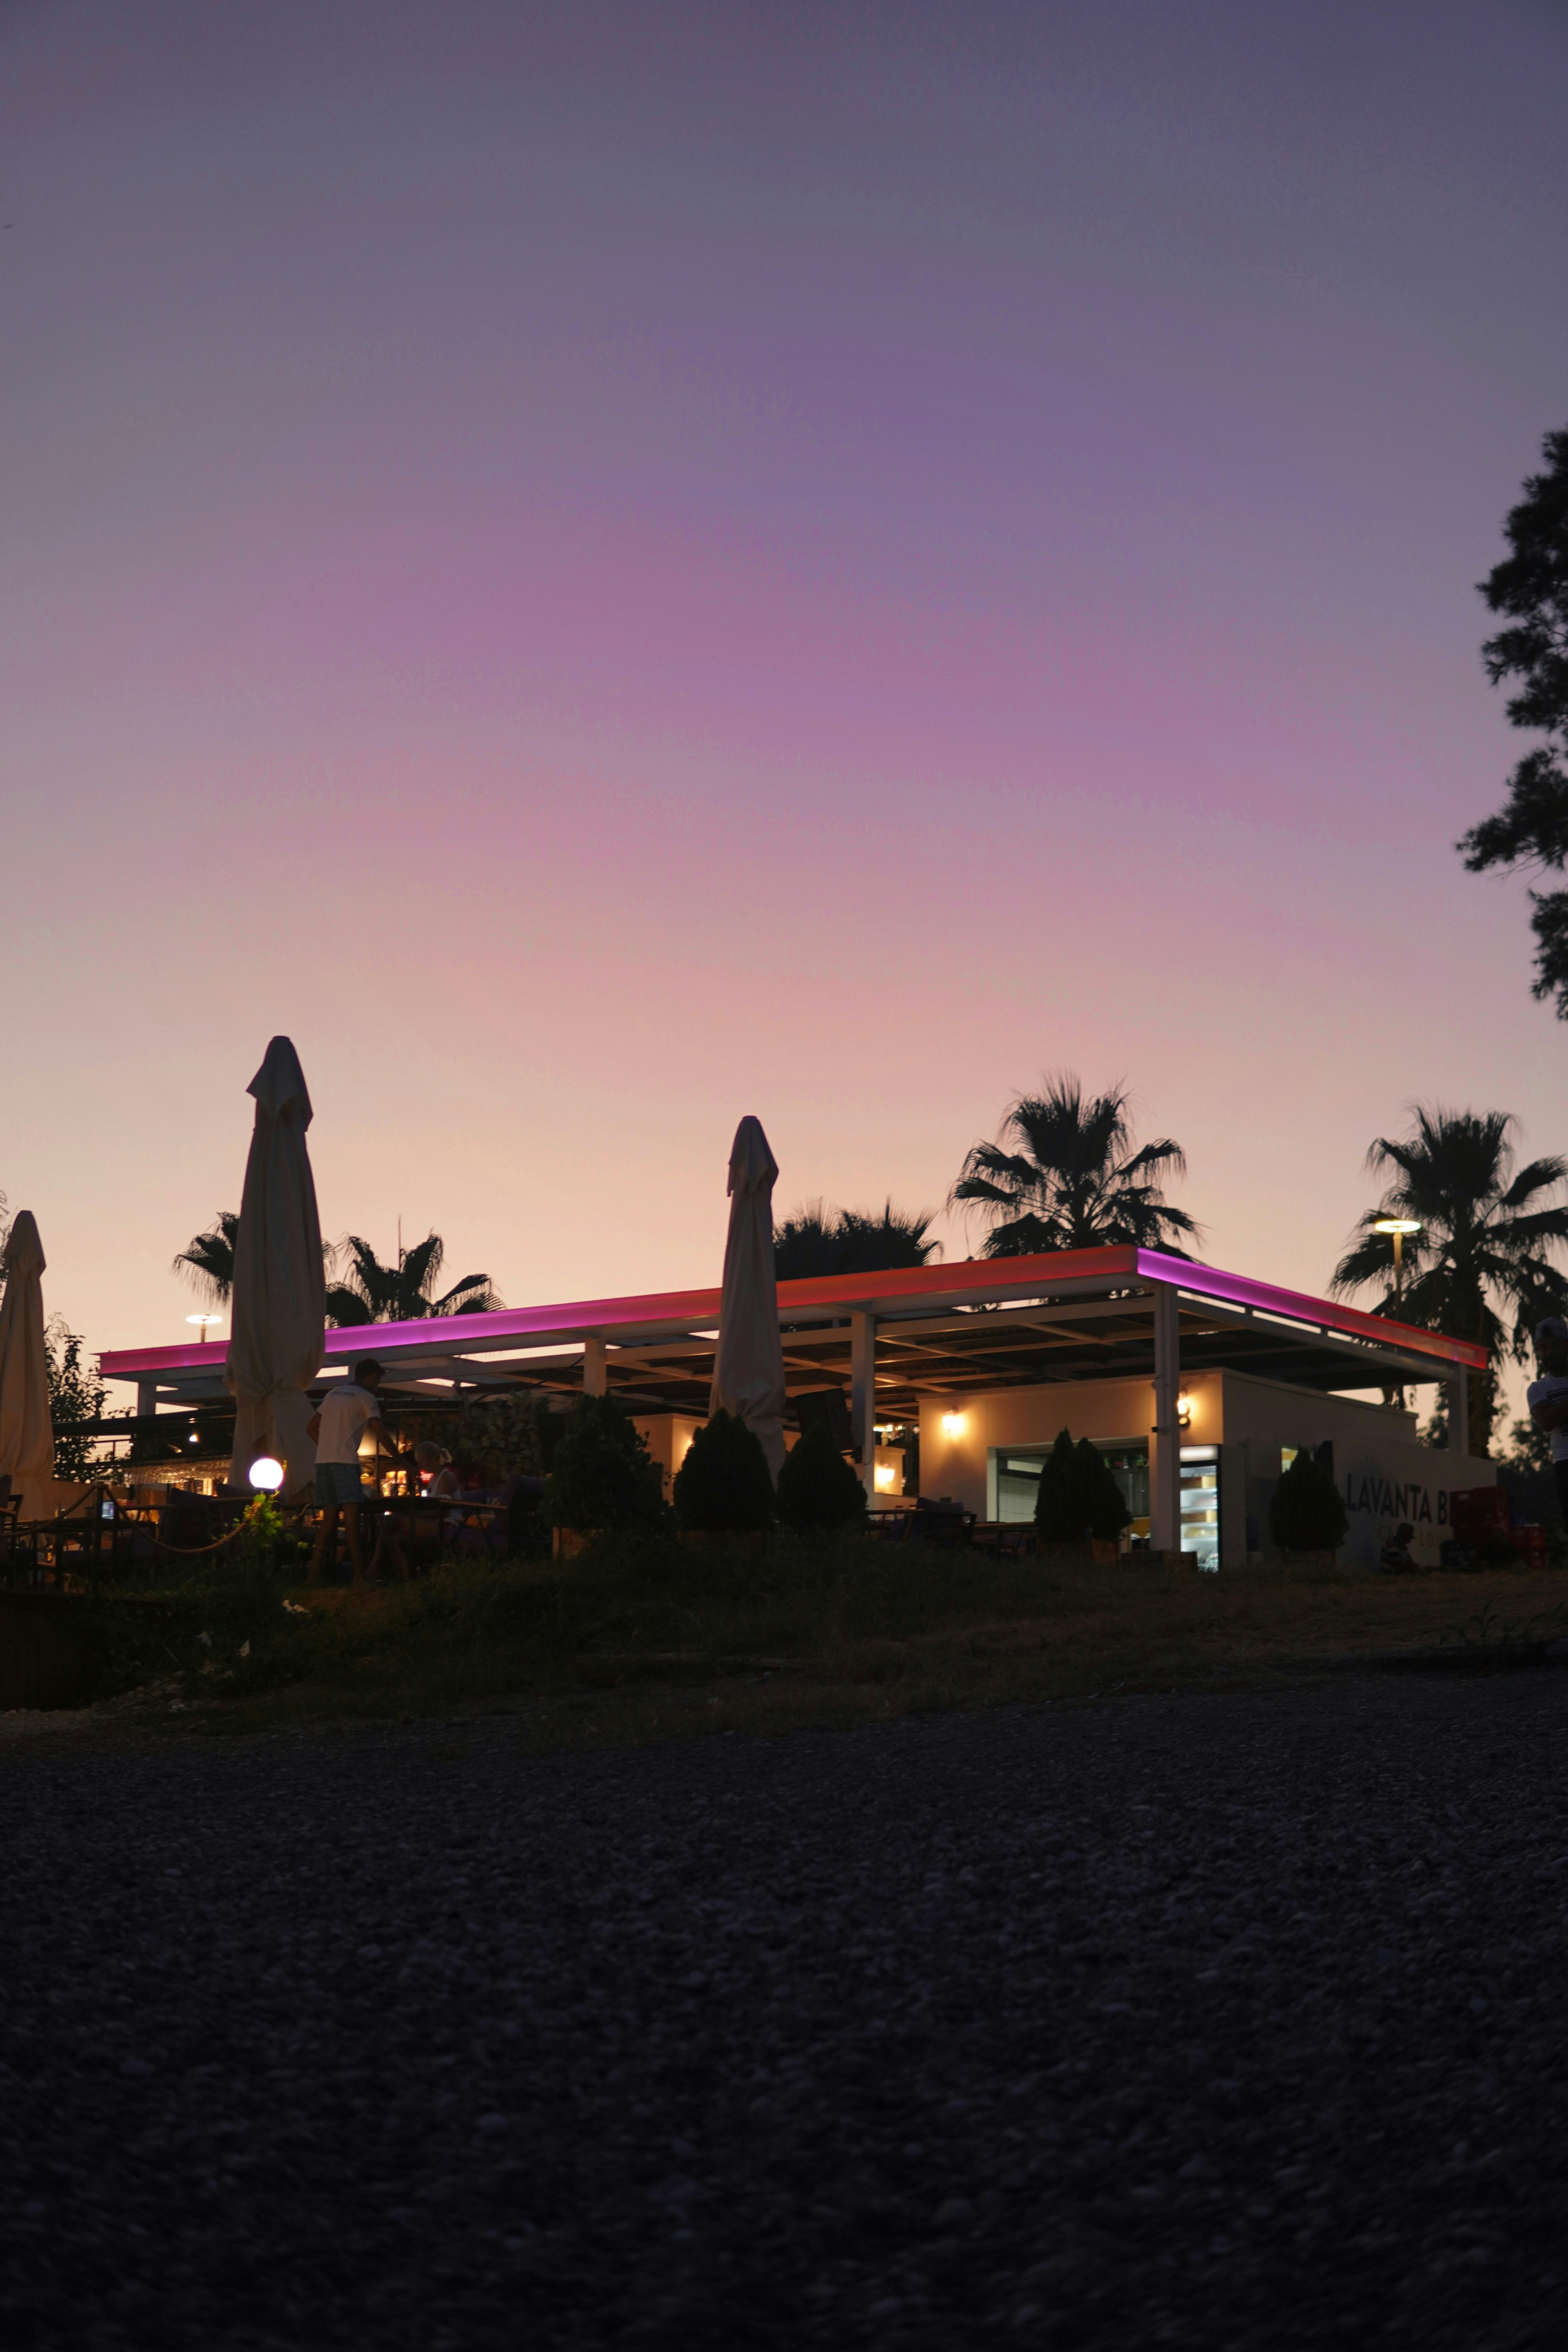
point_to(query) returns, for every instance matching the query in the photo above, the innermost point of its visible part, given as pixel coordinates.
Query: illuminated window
(1200, 1504)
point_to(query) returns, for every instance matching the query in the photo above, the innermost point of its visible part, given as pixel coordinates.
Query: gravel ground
(1212, 2022)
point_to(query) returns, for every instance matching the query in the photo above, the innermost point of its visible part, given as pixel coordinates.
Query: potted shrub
(1307, 1515)
(601, 1478)
(723, 1488)
(818, 1490)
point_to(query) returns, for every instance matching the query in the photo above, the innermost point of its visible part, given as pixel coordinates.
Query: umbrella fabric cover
(279, 1313)
(748, 1370)
(26, 1438)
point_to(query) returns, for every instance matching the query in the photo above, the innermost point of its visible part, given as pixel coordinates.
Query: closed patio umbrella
(279, 1311)
(27, 1437)
(748, 1370)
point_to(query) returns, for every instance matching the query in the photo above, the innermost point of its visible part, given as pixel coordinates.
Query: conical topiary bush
(817, 1488)
(1105, 1507)
(1307, 1511)
(1060, 1507)
(723, 1483)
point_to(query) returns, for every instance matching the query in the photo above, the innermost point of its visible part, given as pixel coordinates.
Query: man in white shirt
(347, 1410)
(1548, 1399)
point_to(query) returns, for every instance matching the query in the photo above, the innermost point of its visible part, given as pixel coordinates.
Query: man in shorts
(347, 1410)
(1548, 1399)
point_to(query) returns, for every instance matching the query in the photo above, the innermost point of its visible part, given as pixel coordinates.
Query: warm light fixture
(885, 1476)
(206, 1321)
(953, 1424)
(1396, 1224)
(266, 1474)
(1184, 1404)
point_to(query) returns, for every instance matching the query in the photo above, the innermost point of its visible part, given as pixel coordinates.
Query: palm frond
(207, 1262)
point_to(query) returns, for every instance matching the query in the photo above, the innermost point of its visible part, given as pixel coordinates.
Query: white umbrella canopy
(748, 1368)
(26, 1436)
(279, 1311)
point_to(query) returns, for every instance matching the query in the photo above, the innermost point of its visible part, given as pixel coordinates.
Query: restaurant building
(1198, 1385)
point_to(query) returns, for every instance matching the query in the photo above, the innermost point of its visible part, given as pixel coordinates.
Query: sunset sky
(604, 568)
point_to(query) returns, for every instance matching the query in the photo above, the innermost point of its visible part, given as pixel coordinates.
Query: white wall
(1385, 1475)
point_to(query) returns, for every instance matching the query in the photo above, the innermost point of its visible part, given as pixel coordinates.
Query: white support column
(146, 1396)
(1165, 1479)
(863, 1395)
(595, 1378)
(1459, 1415)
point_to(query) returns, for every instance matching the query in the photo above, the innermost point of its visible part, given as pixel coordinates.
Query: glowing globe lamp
(266, 1474)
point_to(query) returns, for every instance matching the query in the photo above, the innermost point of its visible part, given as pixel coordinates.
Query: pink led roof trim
(699, 1309)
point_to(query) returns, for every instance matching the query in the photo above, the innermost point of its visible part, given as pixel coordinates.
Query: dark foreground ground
(1212, 2022)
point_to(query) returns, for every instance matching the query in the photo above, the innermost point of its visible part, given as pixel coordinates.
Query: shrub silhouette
(1105, 1506)
(1059, 1513)
(1307, 1511)
(817, 1488)
(1079, 1495)
(603, 1474)
(724, 1481)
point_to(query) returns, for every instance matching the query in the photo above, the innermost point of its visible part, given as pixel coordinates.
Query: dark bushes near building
(724, 1481)
(1079, 1495)
(817, 1488)
(1307, 1511)
(603, 1476)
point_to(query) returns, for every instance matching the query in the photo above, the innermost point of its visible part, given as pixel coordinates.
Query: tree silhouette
(207, 1262)
(372, 1292)
(1063, 1175)
(1480, 1267)
(817, 1240)
(1531, 587)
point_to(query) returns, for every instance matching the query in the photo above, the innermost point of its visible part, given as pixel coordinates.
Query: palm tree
(374, 1293)
(1480, 1267)
(818, 1240)
(207, 1262)
(1063, 1175)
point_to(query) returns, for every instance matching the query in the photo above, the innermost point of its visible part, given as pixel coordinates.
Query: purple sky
(606, 567)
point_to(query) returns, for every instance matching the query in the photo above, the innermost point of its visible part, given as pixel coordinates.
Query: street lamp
(205, 1321)
(1398, 1227)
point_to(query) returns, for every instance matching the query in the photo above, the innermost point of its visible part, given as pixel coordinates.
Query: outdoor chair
(940, 1522)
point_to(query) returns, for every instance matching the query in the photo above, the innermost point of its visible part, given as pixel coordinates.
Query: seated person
(438, 1480)
(1396, 1559)
(419, 1532)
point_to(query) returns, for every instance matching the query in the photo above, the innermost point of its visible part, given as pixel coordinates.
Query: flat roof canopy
(979, 1323)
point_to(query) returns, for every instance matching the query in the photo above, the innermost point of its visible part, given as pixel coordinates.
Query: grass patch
(635, 1642)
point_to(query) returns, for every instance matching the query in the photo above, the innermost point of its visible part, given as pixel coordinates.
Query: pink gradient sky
(604, 568)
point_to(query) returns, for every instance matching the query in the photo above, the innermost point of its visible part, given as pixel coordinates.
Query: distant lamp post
(206, 1322)
(266, 1474)
(1398, 1227)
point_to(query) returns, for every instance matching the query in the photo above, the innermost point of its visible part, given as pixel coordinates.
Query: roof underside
(941, 1330)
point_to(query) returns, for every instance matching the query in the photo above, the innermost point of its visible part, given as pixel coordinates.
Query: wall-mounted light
(1184, 1404)
(885, 1474)
(953, 1424)
(266, 1474)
